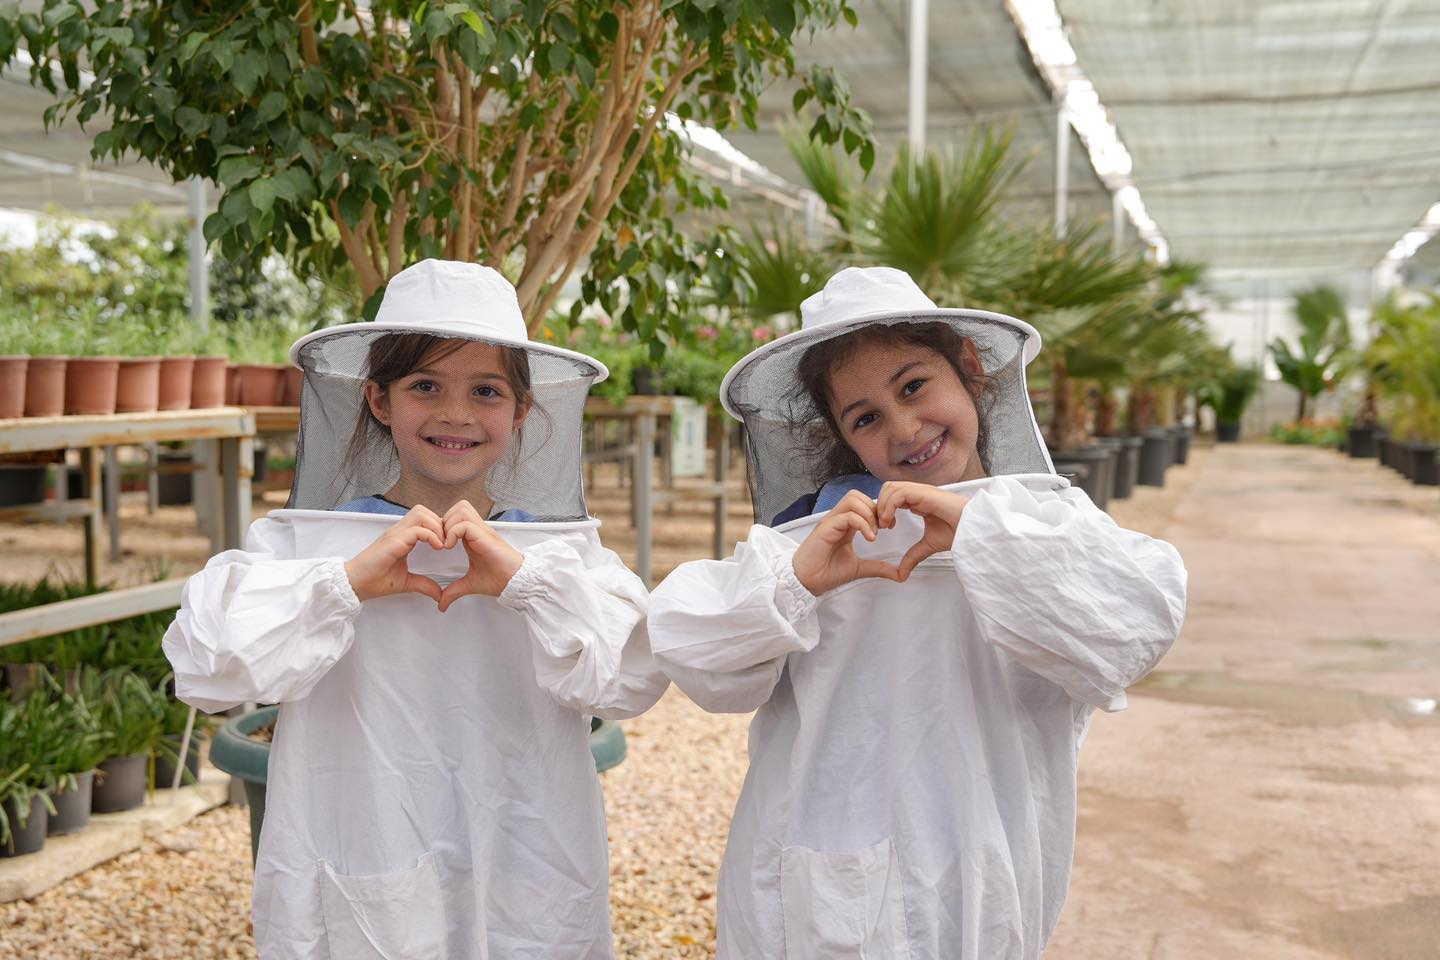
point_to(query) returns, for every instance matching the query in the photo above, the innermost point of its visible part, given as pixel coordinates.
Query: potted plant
(139, 343)
(1228, 395)
(93, 371)
(24, 806)
(1404, 359)
(14, 364)
(167, 751)
(78, 751)
(132, 717)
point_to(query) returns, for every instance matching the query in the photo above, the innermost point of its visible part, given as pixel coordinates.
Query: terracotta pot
(232, 385)
(177, 375)
(293, 379)
(45, 387)
(12, 386)
(207, 385)
(90, 384)
(260, 384)
(137, 388)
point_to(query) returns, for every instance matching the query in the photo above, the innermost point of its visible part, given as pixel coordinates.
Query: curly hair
(830, 456)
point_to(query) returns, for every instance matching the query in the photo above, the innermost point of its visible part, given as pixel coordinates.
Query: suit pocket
(389, 916)
(843, 905)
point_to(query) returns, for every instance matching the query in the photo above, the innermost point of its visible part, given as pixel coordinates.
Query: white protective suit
(431, 791)
(911, 790)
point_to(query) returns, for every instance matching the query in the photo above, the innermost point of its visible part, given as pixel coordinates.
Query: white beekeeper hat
(764, 391)
(540, 474)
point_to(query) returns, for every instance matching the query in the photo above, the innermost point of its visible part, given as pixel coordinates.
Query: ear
(378, 400)
(974, 369)
(522, 410)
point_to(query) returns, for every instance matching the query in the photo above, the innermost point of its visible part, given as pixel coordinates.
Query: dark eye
(913, 385)
(424, 386)
(487, 391)
(864, 420)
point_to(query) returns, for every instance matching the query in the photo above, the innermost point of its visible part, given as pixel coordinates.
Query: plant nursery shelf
(54, 433)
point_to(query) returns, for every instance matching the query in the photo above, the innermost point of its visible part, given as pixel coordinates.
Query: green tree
(530, 134)
(1323, 356)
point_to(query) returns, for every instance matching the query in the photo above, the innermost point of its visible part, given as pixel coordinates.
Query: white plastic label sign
(687, 438)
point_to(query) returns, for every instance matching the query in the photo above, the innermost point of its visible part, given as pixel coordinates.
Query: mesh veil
(783, 425)
(540, 474)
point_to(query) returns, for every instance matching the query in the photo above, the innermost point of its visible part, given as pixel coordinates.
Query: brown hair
(830, 455)
(397, 355)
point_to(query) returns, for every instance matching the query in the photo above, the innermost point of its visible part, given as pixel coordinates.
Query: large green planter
(233, 751)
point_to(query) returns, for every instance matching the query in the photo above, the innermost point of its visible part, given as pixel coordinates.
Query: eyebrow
(426, 371)
(895, 376)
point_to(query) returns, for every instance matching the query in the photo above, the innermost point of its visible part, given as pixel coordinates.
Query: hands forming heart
(827, 557)
(382, 569)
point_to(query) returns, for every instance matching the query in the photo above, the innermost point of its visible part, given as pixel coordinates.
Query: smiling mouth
(923, 456)
(456, 444)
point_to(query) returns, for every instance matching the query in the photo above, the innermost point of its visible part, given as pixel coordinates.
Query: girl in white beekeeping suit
(925, 630)
(438, 621)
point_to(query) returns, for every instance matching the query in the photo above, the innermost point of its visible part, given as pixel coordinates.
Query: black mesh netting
(781, 422)
(540, 474)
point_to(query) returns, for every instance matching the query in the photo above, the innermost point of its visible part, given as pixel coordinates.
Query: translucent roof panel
(1291, 137)
(979, 73)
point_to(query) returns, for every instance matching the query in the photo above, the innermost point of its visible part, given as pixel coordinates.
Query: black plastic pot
(1227, 432)
(1403, 458)
(1181, 437)
(1387, 452)
(233, 751)
(21, 678)
(1423, 468)
(120, 784)
(1364, 442)
(1097, 478)
(165, 770)
(72, 807)
(31, 837)
(174, 489)
(21, 485)
(1123, 469)
(1156, 456)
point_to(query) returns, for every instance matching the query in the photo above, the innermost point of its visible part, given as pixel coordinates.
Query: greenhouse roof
(1278, 141)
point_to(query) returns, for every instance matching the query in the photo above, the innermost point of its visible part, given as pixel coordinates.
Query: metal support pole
(199, 272)
(112, 492)
(152, 476)
(90, 476)
(1062, 168)
(644, 484)
(722, 496)
(919, 72)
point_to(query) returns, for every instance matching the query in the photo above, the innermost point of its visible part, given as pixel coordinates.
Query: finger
(423, 517)
(877, 569)
(846, 525)
(857, 503)
(471, 531)
(913, 557)
(413, 535)
(453, 592)
(414, 583)
(893, 498)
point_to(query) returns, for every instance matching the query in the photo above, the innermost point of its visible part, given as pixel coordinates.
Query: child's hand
(827, 557)
(382, 568)
(492, 561)
(939, 509)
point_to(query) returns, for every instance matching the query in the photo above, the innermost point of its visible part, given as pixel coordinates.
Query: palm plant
(1323, 356)
(1404, 361)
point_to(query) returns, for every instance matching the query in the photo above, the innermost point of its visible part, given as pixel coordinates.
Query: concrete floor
(1274, 789)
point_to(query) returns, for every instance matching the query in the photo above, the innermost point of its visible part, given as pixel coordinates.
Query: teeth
(927, 453)
(449, 445)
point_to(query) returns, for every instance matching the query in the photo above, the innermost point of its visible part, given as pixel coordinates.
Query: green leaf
(192, 121)
(472, 20)
(781, 14)
(559, 57)
(262, 195)
(352, 205)
(234, 171)
(271, 106)
(585, 70)
(189, 45)
(58, 14)
(248, 68)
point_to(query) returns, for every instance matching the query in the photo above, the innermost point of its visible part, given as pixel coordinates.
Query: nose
(905, 429)
(455, 408)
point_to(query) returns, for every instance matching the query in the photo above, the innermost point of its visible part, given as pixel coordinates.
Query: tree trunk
(1300, 412)
(1106, 412)
(1059, 403)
